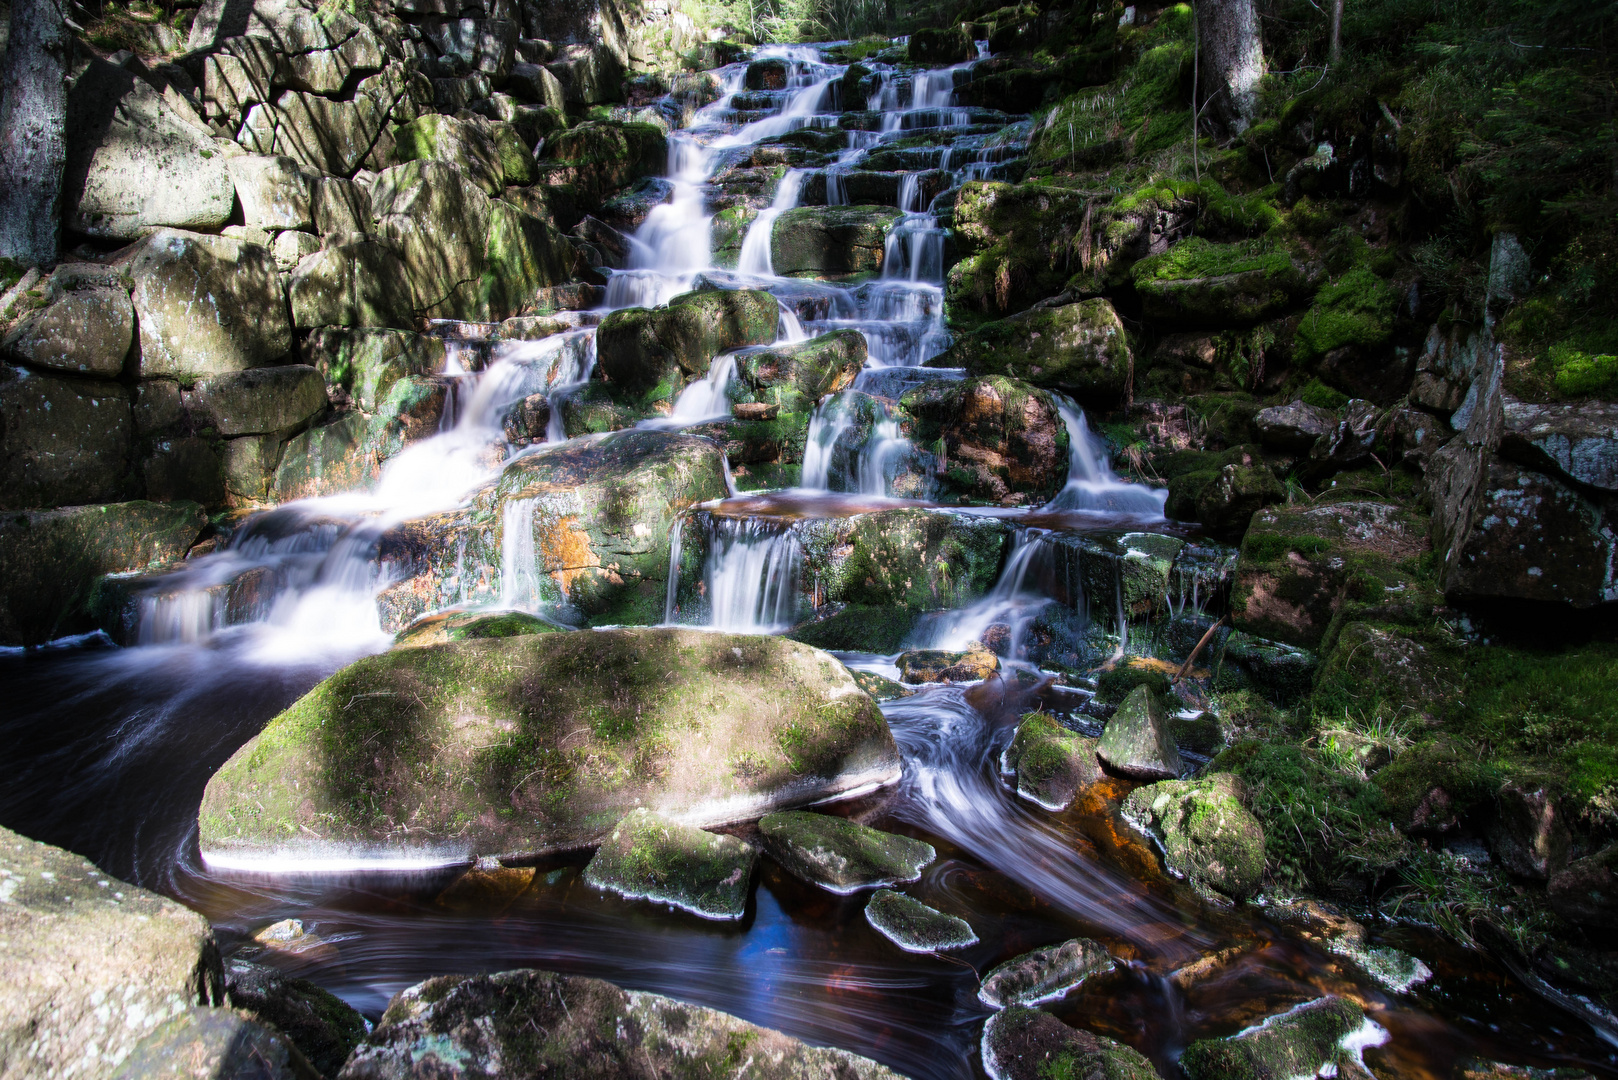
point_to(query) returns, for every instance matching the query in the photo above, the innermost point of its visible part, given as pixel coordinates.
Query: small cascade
(755, 256)
(703, 400)
(752, 575)
(831, 419)
(790, 328)
(1014, 603)
(519, 574)
(1091, 484)
(882, 454)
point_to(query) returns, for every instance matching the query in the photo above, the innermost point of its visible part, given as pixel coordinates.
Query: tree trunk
(1232, 59)
(33, 146)
(1334, 52)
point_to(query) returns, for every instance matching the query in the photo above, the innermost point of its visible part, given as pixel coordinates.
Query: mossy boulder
(647, 354)
(1020, 1043)
(830, 241)
(466, 145)
(1385, 674)
(319, 1023)
(796, 376)
(1051, 764)
(601, 157)
(1354, 312)
(647, 856)
(1208, 835)
(996, 439)
(440, 627)
(911, 559)
(1433, 786)
(1280, 672)
(840, 855)
(930, 45)
(1296, 1043)
(915, 927)
(1585, 892)
(1019, 243)
(1043, 974)
(1079, 349)
(364, 363)
(1202, 283)
(542, 743)
(859, 628)
(941, 665)
(1137, 740)
(529, 1023)
(205, 1041)
(1222, 491)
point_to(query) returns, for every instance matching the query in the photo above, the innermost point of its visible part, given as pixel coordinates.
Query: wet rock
(650, 352)
(364, 362)
(486, 1025)
(321, 1025)
(1209, 837)
(527, 725)
(794, 377)
(880, 688)
(527, 421)
(912, 560)
(274, 191)
(1137, 741)
(840, 855)
(488, 888)
(1326, 1032)
(465, 145)
(1079, 349)
(769, 73)
(648, 857)
(1329, 928)
(221, 1044)
(87, 331)
(1043, 974)
(1225, 501)
(1280, 672)
(1208, 284)
(1002, 441)
(859, 628)
(259, 401)
(1026, 1044)
(65, 440)
(601, 158)
(358, 282)
(206, 305)
(940, 665)
(915, 927)
(934, 46)
(1021, 243)
(348, 452)
(92, 964)
(1529, 834)
(1446, 368)
(1477, 1069)
(440, 627)
(1294, 428)
(1109, 570)
(830, 241)
(1578, 441)
(1586, 892)
(1051, 764)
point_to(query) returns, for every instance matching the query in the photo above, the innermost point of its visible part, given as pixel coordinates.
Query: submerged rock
(1051, 764)
(1043, 974)
(1137, 740)
(841, 855)
(939, 665)
(517, 1024)
(1318, 1034)
(1026, 1044)
(649, 857)
(542, 742)
(321, 1025)
(1209, 837)
(915, 927)
(220, 1044)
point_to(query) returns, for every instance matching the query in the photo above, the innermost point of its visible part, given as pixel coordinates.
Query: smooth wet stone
(1208, 834)
(1326, 1032)
(648, 857)
(321, 1025)
(219, 1044)
(527, 1023)
(1137, 741)
(915, 927)
(940, 665)
(1043, 974)
(1051, 764)
(830, 241)
(879, 687)
(1026, 1044)
(841, 855)
(647, 354)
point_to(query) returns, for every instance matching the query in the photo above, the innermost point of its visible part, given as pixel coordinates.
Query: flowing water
(109, 748)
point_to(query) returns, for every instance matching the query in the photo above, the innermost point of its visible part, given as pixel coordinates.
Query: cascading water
(755, 256)
(1091, 484)
(752, 575)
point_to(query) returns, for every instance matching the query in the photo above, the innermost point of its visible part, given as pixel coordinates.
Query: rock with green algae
(439, 627)
(467, 146)
(647, 354)
(1209, 836)
(1043, 974)
(915, 927)
(321, 1025)
(1079, 349)
(941, 665)
(1050, 763)
(998, 440)
(346, 453)
(527, 1023)
(601, 157)
(1300, 1042)
(365, 362)
(1327, 926)
(798, 375)
(647, 856)
(909, 559)
(839, 855)
(222, 1044)
(1207, 284)
(1282, 673)
(542, 742)
(830, 241)
(1137, 741)
(858, 628)
(880, 687)
(1020, 1043)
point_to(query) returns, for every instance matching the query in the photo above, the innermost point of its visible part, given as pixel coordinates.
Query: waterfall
(1091, 484)
(752, 575)
(704, 399)
(755, 256)
(831, 418)
(1010, 602)
(519, 575)
(883, 451)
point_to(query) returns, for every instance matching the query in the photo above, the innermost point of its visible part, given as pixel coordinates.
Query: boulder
(206, 305)
(840, 855)
(291, 248)
(1207, 284)
(1586, 891)
(649, 352)
(1051, 764)
(941, 665)
(320, 1024)
(1043, 974)
(934, 46)
(1448, 365)
(92, 964)
(1020, 1043)
(588, 74)
(913, 559)
(1529, 834)
(359, 282)
(1380, 673)
(796, 376)
(328, 136)
(534, 83)
(1294, 428)
(259, 401)
(649, 857)
(600, 158)
(1324, 1033)
(766, 73)
(486, 1025)
(830, 241)
(1224, 499)
(486, 45)
(1577, 441)
(439, 627)
(348, 452)
(560, 733)
(1020, 243)
(1137, 741)
(364, 363)
(1209, 836)
(135, 163)
(274, 191)
(221, 1044)
(65, 440)
(463, 144)
(87, 331)
(340, 206)
(1079, 349)
(1001, 441)
(915, 927)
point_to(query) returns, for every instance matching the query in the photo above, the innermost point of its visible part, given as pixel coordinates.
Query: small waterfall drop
(752, 575)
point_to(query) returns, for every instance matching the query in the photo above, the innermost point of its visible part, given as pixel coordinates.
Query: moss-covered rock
(1432, 786)
(1043, 974)
(915, 927)
(931, 45)
(364, 363)
(1280, 672)
(319, 1023)
(940, 665)
(1137, 741)
(911, 559)
(347, 452)
(830, 241)
(1208, 835)
(601, 157)
(466, 145)
(542, 742)
(437, 628)
(1051, 764)
(647, 856)
(796, 376)
(1020, 1043)
(1079, 349)
(1355, 311)
(840, 855)
(212, 1042)
(647, 354)
(859, 628)
(996, 439)
(529, 1023)
(1206, 284)
(1019, 243)
(1296, 1043)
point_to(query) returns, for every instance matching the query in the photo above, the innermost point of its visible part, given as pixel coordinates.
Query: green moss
(1357, 309)
(1458, 769)
(1321, 396)
(1578, 374)
(859, 628)
(1113, 686)
(1199, 258)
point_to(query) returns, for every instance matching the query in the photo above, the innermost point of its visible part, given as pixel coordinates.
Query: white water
(1091, 483)
(755, 256)
(752, 576)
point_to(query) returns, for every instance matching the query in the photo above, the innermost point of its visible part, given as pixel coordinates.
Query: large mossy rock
(796, 376)
(1079, 349)
(92, 964)
(1209, 836)
(1050, 764)
(648, 353)
(914, 559)
(348, 452)
(258, 402)
(998, 440)
(466, 145)
(1206, 284)
(365, 362)
(1137, 741)
(1020, 1043)
(358, 282)
(543, 742)
(87, 330)
(1296, 1043)
(830, 241)
(1043, 974)
(602, 157)
(842, 855)
(535, 1023)
(647, 856)
(220, 1044)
